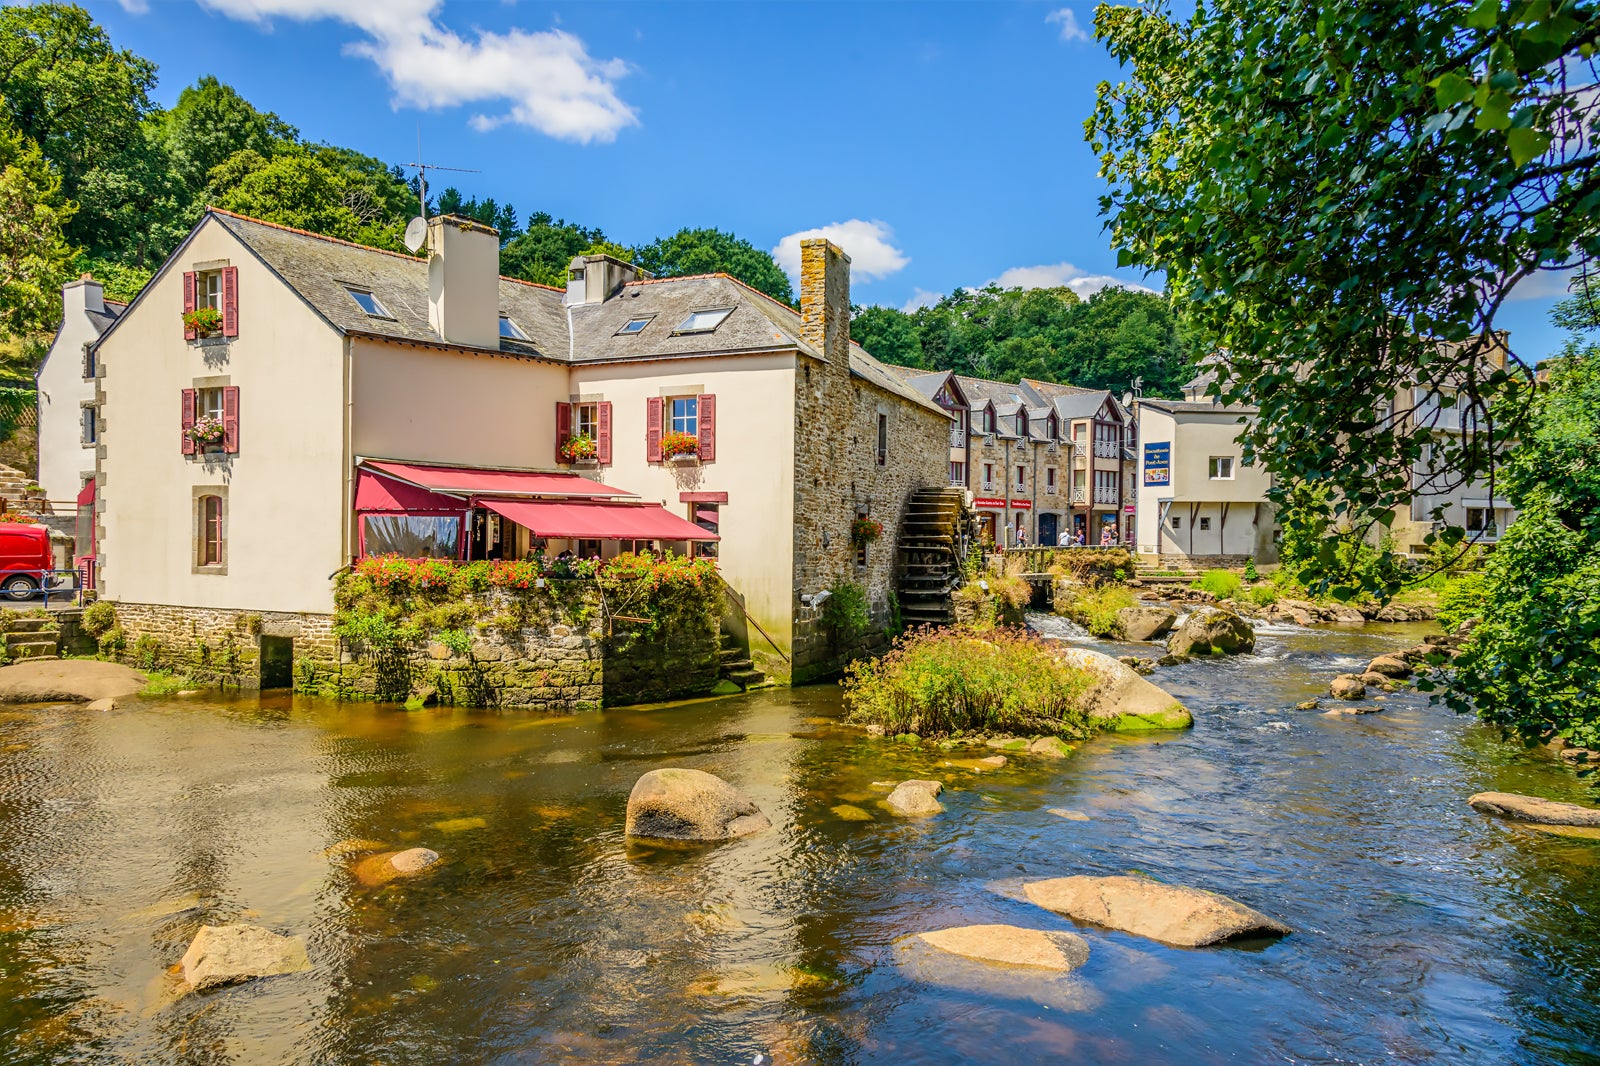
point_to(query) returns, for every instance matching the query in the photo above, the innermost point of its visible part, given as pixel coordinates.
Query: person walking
(1065, 540)
(1022, 535)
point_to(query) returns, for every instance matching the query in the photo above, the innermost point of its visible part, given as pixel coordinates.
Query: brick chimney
(464, 281)
(825, 303)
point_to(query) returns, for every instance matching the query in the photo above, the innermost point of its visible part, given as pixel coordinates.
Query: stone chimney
(464, 281)
(85, 294)
(594, 279)
(825, 302)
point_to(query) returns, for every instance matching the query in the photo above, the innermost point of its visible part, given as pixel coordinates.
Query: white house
(67, 430)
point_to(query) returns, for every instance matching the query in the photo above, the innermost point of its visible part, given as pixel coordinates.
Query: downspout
(347, 520)
(1005, 485)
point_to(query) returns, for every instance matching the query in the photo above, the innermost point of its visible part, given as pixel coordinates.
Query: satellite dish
(416, 232)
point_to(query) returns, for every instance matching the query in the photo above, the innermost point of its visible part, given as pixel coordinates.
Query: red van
(24, 558)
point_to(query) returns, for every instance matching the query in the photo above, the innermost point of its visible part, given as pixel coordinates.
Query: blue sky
(941, 144)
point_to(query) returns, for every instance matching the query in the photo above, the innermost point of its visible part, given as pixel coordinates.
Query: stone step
(735, 666)
(31, 649)
(27, 625)
(747, 678)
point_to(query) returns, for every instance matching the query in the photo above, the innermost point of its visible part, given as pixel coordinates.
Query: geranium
(206, 430)
(865, 531)
(675, 444)
(581, 446)
(203, 320)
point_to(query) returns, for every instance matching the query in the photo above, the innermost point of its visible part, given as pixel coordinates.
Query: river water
(1425, 932)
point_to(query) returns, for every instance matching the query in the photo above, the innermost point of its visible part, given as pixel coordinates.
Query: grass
(165, 683)
(1095, 608)
(1223, 584)
(938, 682)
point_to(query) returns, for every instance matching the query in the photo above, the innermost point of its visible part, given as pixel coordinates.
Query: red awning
(374, 492)
(598, 520)
(86, 494)
(470, 481)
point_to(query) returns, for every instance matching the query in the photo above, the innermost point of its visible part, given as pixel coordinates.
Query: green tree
(542, 252)
(1342, 195)
(502, 217)
(889, 335)
(711, 251)
(327, 190)
(35, 258)
(209, 123)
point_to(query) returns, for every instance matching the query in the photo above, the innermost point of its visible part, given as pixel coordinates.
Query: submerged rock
(1049, 747)
(228, 954)
(849, 812)
(1120, 695)
(1010, 945)
(1212, 630)
(1347, 687)
(1146, 623)
(915, 799)
(1173, 914)
(1534, 809)
(683, 804)
(380, 869)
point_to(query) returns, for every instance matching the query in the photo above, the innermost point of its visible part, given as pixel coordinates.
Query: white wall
(285, 487)
(63, 457)
(1196, 437)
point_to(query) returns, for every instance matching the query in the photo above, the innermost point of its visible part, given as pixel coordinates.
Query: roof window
(510, 330)
(368, 303)
(703, 321)
(636, 326)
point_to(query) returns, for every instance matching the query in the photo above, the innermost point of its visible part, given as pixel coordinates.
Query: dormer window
(634, 326)
(1022, 425)
(369, 303)
(510, 330)
(988, 420)
(703, 321)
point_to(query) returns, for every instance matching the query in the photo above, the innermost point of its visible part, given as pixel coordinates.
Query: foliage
(581, 446)
(1460, 599)
(1329, 558)
(1250, 571)
(209, 123)
(1103, 342)
(15, 405)
(1342, 195)
(1095, 607)
(327, 190)
(1223, 584)
(160, 683)
(1012, 590)
(122, 282)
(203, 320)
(1262, 595)
(1080, 561)
(845, 612)
(937, 682)
(98, 618)
(711, 251)
(543, 251)
(864, 531)
(112, 643)
(674, 443)
(147, 651)
(35, 258)
(502, 217)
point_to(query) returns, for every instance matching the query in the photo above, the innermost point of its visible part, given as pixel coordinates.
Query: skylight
(635, 325)
(703, 321)
(510, 330)
(369, 303)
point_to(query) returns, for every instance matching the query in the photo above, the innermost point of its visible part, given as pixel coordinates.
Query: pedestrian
(1065, 540)
(1022, 536)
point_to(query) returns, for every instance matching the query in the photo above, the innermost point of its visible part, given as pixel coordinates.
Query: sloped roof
(102, 320)
(1202, 407)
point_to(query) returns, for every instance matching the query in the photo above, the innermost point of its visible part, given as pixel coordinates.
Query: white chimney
(464, 281)
(594, 279)
(85, 294)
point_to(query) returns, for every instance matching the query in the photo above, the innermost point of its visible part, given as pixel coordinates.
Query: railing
(1077, 496)
(1105, 494)
(958, 435)
(1078, 450)
(1106, 449)
(65, 587)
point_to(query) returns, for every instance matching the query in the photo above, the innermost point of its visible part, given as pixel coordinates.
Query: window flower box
(206, 431)
(864, 531)
(581, 450)
(205, 321)
(680, 447)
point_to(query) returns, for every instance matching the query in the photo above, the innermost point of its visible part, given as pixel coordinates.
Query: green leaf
(1527, 145)
(1484, 15)
(1451, 89)
(1495, 114)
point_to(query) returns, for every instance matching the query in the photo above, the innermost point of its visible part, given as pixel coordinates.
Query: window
(1022, 425)
(686, 415)
(372, 305)
(586, 420)
(86, 433)
(1481, 523)
(988, 420)
(958, 473)
(1205, 523)
(883, 439)
(208, 290)
(703, 321)
(210, 539)
(1222, 468)
(988, 473)
(88, 361)
(1022, 477)
(510, 330)
(707, 516)
(208, 403)
(1050, 479)
(635, 326)
(1176, 521)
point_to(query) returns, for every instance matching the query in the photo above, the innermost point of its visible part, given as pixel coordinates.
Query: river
(1425, 932)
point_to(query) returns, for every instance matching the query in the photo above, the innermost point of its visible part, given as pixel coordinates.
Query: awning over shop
(374, 492)
(598, 520)
(470, 481)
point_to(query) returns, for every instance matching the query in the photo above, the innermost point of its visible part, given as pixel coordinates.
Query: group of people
(1071, 539)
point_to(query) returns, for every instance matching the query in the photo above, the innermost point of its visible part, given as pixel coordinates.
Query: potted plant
(203, 320)
(680, 447)
(864, 531)
(206, 431)
(581, 450)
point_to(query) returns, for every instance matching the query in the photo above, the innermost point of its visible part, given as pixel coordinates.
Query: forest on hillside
(96, 177)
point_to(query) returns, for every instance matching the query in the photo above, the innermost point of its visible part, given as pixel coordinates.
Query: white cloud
(134, 7)
(1544, 285)
(868, 244)
(921, 298)
(1055, 275)
(1070, 30)
(547, 78)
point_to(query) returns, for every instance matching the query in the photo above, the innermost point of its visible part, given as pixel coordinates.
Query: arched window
(210, 541)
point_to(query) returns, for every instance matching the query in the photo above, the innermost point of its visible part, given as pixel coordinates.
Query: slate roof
(1182, 407)
(321, 268)
(103, 320)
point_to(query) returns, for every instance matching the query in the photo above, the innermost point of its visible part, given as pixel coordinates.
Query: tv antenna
(417, 230)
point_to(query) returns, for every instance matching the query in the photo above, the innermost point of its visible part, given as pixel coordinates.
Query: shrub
(147, 652)
(844, 612)
(98, 618)
(1461, 598)
(1223, 584)
(1262, 595)
(457, 640)
(113, 642)
(936, 682)
(1250, 572)
(1095, 608)
(1014, 591)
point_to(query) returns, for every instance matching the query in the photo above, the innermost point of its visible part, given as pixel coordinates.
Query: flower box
(206, 431)
(203, 320)
(680, 447)
(581, 450)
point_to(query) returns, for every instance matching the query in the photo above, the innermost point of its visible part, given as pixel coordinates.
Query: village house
(67, 430)
(348, 401)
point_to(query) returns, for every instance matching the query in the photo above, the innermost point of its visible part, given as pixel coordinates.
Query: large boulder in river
(1212, 630)
(227, 954)
(1118, 695)
(1009, 945)
(1146, 623)
(1172, 914)
(1534, 809)
(377, 870)
(1389, 666)
(1348, 687)
(682, 804)
(68, 680)
(915, 799)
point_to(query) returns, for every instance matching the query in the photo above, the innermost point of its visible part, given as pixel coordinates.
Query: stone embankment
(1298, 612)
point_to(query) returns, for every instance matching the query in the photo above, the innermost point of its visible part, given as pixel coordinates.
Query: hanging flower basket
(680, 446)
(203, 320)
(206, 430)
(864, 531)
(579, 448)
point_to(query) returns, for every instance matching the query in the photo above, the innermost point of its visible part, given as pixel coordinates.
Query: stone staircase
(13, 489)
(934, 535)
(737, 667)
(1166, 575)
(32, 638)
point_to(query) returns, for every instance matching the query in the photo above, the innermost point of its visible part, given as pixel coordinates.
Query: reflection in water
(1425, 931)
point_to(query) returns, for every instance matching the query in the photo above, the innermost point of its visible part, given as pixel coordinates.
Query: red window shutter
(707, 408)
(230, 419)
(187, 422)
(652, 429)
(563, 427)
(230, 301)
(188, 306)
(603, 432)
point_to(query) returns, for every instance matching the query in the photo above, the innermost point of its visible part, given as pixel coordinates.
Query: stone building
(355, 401)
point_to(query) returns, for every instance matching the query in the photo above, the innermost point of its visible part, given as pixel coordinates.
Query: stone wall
(217, 646)
(837, 475)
